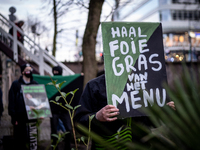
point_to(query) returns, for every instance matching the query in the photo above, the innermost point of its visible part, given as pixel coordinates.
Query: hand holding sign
(171, 104)
(107, 113)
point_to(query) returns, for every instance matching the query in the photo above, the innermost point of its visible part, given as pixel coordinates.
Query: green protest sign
(134, 62)
(36, 101)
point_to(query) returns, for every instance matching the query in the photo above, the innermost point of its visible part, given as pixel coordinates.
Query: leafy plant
(60, 137)
(114, 142)
(88, 136)
(90, 120)
(67, 106)
(179, 129)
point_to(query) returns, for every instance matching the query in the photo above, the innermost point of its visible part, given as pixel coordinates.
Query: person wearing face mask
(60, 117)
(17, 109)
(57, 70)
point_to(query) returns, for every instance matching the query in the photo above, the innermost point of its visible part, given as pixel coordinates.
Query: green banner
(51, 90)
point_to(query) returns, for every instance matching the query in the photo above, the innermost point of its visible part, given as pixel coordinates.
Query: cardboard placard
(36, 101)
(134, 66)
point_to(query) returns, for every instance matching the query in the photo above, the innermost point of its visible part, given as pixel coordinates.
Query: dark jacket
(16, 106)
(92, 100)
(20, 37)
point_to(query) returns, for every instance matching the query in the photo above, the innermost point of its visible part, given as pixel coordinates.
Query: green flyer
(36, 101)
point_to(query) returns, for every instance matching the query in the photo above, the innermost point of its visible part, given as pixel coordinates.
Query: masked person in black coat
(105, 123)
(59, 113)
(17, 109)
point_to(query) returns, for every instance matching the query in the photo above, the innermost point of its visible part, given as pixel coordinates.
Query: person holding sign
(60, 115)
(17, 109)
(134, 63)
(105, 123)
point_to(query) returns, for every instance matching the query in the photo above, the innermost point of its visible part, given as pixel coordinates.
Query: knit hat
(57, 68)
(24, 66)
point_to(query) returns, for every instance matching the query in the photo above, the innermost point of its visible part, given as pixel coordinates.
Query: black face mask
(56, 74)
(28, 74)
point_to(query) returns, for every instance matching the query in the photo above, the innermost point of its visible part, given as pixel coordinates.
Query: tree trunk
(89, 40)
(55, 28)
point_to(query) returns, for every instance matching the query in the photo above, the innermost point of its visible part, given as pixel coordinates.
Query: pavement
(6, 135)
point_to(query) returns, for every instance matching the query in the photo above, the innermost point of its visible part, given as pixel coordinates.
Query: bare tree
(89, 40)
(35, 27)
(55, 27)
(117, 2)
(58, 9)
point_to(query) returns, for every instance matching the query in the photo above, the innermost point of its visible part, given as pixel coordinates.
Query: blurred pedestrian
(16, 108)
(59, 113)
(60, 127)
(20, 37)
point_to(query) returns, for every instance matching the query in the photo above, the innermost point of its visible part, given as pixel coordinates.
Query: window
(190, 15)
(197, 1)
(179, 15)
(185, 1)
(174, 1)
(174, 15)
(185, 15)
(196, 15)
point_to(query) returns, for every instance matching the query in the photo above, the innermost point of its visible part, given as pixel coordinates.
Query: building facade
(180, 22)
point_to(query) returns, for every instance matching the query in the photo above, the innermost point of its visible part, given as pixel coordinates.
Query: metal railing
(28, 50)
